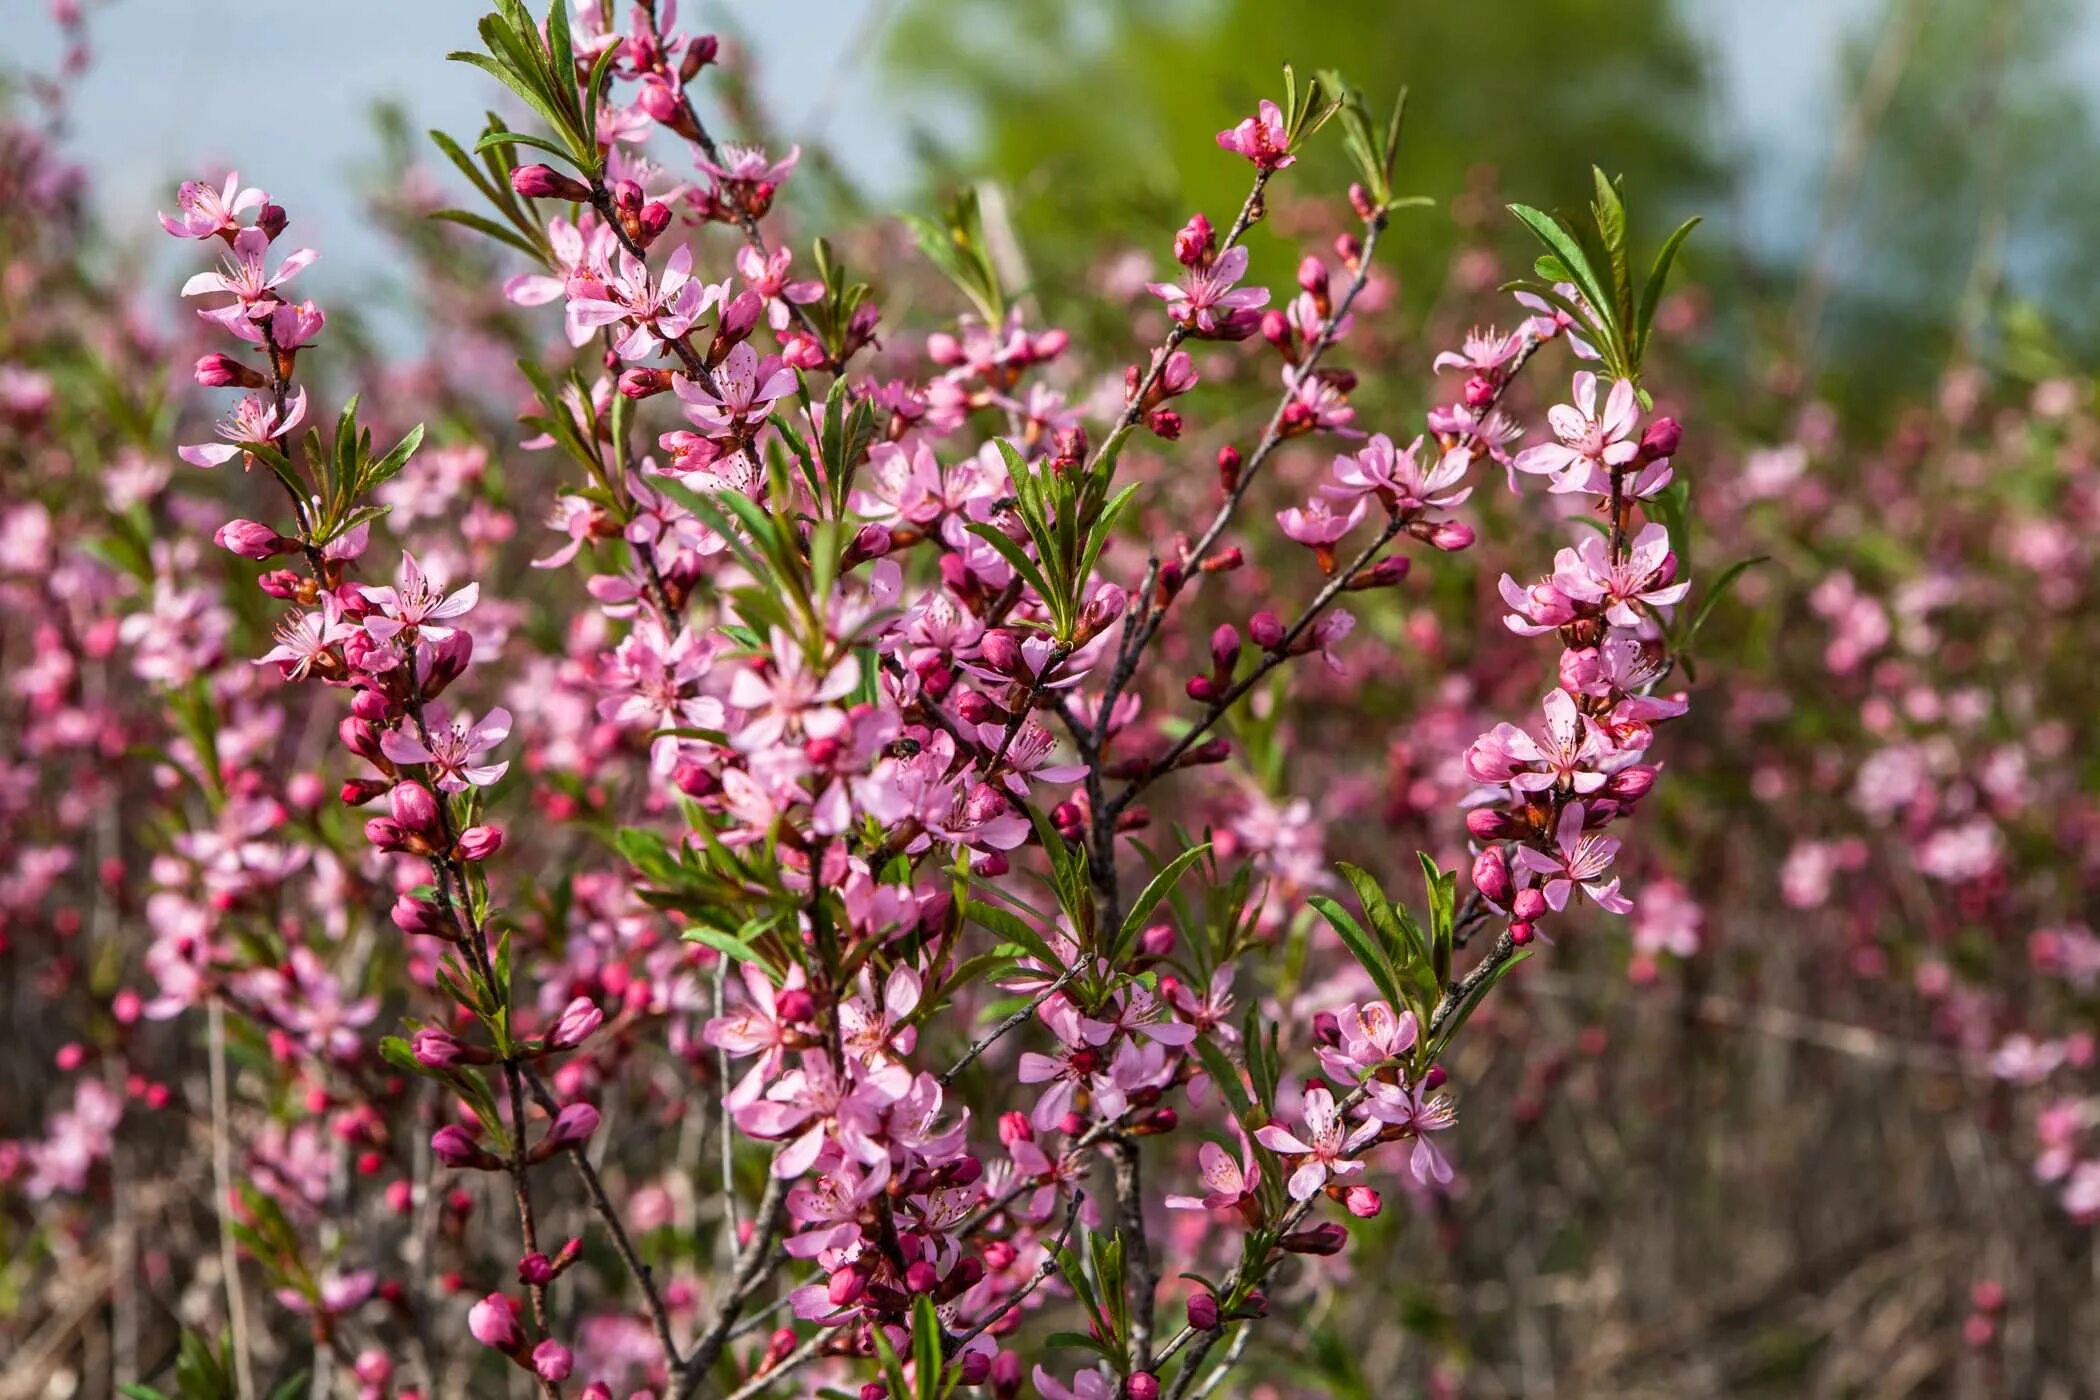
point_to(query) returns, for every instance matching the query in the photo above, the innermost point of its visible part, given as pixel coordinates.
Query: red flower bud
(545, 182)
(1661, 440)
(1491, 876)
(478, 843)
(1203, 1312)
(251, 539)
(217, 371)
(414, 808)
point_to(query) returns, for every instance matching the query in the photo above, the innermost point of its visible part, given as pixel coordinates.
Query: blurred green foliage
(1951, 157)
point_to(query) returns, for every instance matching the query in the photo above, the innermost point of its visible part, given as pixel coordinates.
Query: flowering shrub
(829, 918)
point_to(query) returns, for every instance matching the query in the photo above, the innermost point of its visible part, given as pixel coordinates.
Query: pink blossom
(767, 275)
(1398, 479)
(254, 419)
(655, 311)
(417, 607)
(1261, 138)
(1325, 1146)
(749, 387)
(453, 748)
(1579, 857)
(209, 212)
(1316, 524)
(243, 276)
(1417, 1113)
(1209, 300)
(1590, 444)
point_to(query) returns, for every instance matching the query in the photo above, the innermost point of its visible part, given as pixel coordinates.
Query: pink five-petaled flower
(1414, 1112)
(207, 212)
(1579, 858)
(1261, 138)
(1208, 300)
(582, 253)
(1028, 756)
(307, 639)
(1371, 1035)
(794, 693)
(1082, 1060)
(767, 275)
(657, 312)
(243, 275)
(762, 1027)
(1590, 443)
(1230, 1183)
(1325, 1145)
(254, 419)
(1398, 478)
(1486, 352)
(1565, 752)
(748, 388)
(418, 604)
(453, 748)
(1645, 575)
(748, 165)
(493, 1322)
(1316, 523)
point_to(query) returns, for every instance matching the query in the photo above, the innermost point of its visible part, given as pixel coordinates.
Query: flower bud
(1479, 392)
(535, 1270)
(1326, 1238)
(551, 1361)
(1142, 1385)
(1157, 941)
(251, 539)
(1201, 689)
(494, 1323)
(1194, 242)
(999, 651)
(386, 835)
(794, 1005)
(1491, 876)
(641, 382)
(1522, 932)
(421, 917)
(1228, 467)
(1661, 440)
(1203, 1312)
(272, 220)
(1487, 824)
(921, 1277)
(573, 1127)
(218, 371)
(545, 182)
(1361, 1202)
(436, 1049)
(478, 843)
(1164, 423)
(455, 1147)
(414, 808)
(1224, 650)
(846, 1287)
(1528, 904)
(1633, 783)
(578, 1021)
(1266, 630)
(698, 54)
(1014, 1127)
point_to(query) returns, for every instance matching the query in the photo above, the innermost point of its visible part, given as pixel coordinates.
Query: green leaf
(1364, 948)
(1465, 1010)
(1716, 593)
(1013, 554)
(1658, 274)
(1156, 889)
(926, 1347)
(1225, 1075)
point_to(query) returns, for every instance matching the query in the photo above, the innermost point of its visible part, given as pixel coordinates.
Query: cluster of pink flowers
(868, 701)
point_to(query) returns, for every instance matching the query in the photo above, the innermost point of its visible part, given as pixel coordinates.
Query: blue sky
(152, 109)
